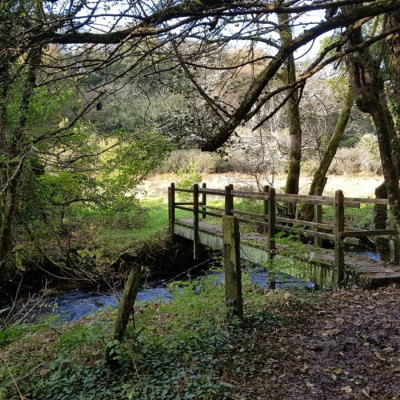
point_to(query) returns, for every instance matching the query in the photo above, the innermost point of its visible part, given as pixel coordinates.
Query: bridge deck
(359, 270)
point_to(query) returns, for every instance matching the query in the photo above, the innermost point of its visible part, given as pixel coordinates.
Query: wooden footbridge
(259, 233)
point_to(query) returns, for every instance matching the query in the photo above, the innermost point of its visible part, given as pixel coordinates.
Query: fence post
(339, 227)
(271, 237)
(228, 200)
(125, 309)
(233, 276)
(394, 242)
(196, 221)
(171, 210)
(318, 217)
(204, 201)
(265, 211)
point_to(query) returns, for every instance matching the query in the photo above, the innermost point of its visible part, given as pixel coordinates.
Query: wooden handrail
(270, 222)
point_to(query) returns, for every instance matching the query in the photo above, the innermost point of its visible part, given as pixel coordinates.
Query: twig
(13, 379)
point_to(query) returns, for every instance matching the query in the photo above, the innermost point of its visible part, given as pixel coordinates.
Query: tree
(95, 38)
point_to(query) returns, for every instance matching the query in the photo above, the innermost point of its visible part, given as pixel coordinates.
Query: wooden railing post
(204, 201)
(339, 227)
(265, 211)
(318, 217)
(196, 251)
(233, 276)
(228, 200)
(171, 210)
(271, 237)
(394, 242)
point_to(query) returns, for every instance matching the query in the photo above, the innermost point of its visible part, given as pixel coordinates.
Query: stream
(74, 305)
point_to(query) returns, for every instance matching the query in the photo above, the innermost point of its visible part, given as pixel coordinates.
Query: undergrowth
(184, 349)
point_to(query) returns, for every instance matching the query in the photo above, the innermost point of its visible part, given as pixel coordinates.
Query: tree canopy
(228, 55)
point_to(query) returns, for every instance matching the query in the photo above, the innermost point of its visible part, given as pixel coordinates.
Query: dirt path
(347, 347)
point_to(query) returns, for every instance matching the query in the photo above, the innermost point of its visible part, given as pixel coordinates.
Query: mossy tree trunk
(14, 133)
(293, 114)
(368, 90)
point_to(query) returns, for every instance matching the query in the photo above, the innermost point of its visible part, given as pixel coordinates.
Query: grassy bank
(186, 349)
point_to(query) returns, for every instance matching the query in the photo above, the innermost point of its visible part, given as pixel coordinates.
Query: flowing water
(74, 305)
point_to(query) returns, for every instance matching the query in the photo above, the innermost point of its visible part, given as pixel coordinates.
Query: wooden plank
(215, 208)
(252, 221)
(184, 208)
(250, 214)
(183, 190)
(329, 227)
(250, 195)
(212, 214)
(217, 192)
(302, 198)
(364, 233)
(365, 200)
(305, 232)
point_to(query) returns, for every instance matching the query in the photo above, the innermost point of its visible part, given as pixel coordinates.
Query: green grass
(179, 350)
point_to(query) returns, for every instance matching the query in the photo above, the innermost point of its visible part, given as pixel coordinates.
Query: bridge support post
(196, 244)
(394, 243)
(265, 207)
(318, 217)
(204, 201)
(171, 210)
(339, 245)
(271, 238)
(233, 275)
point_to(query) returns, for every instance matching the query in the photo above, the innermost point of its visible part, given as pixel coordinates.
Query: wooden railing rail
(269, 222)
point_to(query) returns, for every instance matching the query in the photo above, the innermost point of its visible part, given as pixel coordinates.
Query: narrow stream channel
(75, 305)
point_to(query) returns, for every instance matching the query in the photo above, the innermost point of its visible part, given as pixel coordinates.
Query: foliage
(183, 349)
(187, 177)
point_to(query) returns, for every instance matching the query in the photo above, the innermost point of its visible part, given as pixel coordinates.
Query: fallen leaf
(304, 369)
(346, 389)
(337, 371)
(388, 350)
(331, 332)
(379, 356)
(366, 391)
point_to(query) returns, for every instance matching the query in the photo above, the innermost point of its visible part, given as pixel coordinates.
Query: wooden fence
(270, 220)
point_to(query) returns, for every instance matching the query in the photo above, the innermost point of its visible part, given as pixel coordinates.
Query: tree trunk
(319, 179)
(293, 115)
(368, 90)
(13, 136)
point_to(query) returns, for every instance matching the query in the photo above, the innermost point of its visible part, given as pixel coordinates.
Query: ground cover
(291, 345)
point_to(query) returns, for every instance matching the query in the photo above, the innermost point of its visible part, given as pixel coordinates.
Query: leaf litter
(347, 346)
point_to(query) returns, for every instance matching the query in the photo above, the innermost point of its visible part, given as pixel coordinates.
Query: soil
(345, 347)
